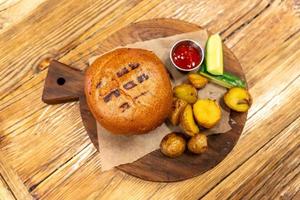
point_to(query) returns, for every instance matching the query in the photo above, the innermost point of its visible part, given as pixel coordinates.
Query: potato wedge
(172, 145)
(177, 109)
(238, 99)
(207, 112)
(198, 143)
(186, 92)
(187, 121)
(197, 80)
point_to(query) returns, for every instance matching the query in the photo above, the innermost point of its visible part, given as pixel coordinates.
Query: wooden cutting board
(65, 84)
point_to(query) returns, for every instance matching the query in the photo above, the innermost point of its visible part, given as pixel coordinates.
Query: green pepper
(226, 80)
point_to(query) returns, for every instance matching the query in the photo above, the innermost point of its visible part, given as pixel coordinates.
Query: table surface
(45, 152)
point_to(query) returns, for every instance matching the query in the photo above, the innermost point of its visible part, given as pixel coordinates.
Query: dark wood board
(154, 166)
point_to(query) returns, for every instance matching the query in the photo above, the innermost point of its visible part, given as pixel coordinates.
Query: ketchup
(186, 56)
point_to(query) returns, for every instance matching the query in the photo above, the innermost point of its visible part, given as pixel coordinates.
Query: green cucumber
(226, 80)
(214, 55)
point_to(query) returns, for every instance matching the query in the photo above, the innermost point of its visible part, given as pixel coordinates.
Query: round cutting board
(66, 84)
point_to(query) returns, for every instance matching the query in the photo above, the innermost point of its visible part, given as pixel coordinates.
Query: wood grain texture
(63, 84)
(13, 11)
(13, 181)
(60, 162)
(284, 166)
(5, 192)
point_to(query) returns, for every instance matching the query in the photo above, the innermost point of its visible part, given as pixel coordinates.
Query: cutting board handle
(63, 84)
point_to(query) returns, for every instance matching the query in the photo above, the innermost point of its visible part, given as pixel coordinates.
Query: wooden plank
(39, 119)
(45, 144)
(199, 14)
(216, 16)
(13, 11)
(268, 172)
(266, 31)
(280, 58)
(5, 192)
(12, 180)
(66, 171)
(86, 180)
(51, 40)
(291, 190)
(280, 48)
(36, 118)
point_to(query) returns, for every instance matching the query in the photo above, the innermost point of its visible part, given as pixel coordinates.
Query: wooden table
(45, 152)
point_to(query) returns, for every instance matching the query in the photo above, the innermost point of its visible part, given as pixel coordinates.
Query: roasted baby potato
(177, 109)
(207, 112)
(197, 80)
(238, 99)
(198, 143)
(186, 92)
(187, 121)
(172, 145)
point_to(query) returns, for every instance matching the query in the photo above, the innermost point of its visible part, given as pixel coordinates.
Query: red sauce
(186, 56)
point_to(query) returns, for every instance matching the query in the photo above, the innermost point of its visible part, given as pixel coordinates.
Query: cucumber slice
(214, 55)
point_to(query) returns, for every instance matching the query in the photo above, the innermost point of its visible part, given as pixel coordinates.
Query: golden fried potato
(187, 121)
(177, 109)
(197, 80)
(172, 145)
(186, 92)
(207, 112)
(238, 99)
(198, 143)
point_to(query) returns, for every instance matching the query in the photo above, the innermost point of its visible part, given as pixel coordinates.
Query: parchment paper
(116, 150)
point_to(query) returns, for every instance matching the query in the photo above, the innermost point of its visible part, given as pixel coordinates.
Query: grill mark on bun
(142, 78)
(122, 72)
(104, 100)
(108, 97)
(129, 85)
(99, 85)
(134, 65)
(124, 107)
(142, 94)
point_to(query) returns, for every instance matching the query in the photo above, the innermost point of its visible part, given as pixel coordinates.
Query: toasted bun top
(128, 91)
